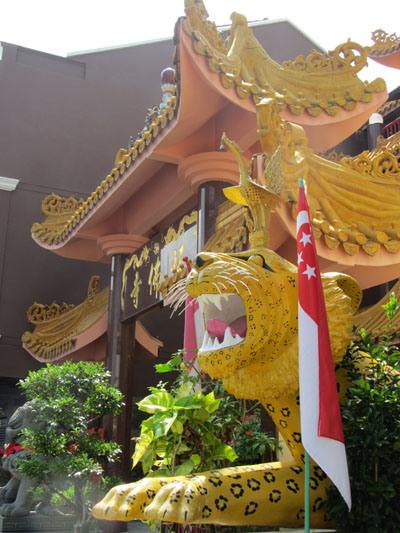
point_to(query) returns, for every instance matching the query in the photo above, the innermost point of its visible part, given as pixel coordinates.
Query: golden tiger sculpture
(256, 359)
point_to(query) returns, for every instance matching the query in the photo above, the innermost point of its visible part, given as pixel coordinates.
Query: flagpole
(307, 493)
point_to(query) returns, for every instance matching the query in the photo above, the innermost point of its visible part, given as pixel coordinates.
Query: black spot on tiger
(296, 436)
(297, 400)
(206, 512)
(319, 473)
(292, 485)
(235, 476)
(283, 423)
(269, 477)
(150, 493)
(313, 483)
(202, 491)
(275, 496)
(270, 408)
(215, 480)
(318, 504)
(237, 490)
(221, 503)
(175, 497)
(296, 469)
(126, 512)
(106, 510)
(300, 514)
(285, 411)
(302, 458)
(253, 484)
(251, 508)
(189, 495)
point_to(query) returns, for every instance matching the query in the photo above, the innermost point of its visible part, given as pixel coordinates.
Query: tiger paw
(128, 502)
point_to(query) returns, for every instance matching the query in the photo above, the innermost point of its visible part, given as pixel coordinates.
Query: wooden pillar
(120, 345)
(120, 354)
(210, 196)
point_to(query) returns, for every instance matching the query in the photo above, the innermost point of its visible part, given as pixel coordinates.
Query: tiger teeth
(210, 345)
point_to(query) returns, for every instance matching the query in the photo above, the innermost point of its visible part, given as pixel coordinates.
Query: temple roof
(386, 48)
(218, 92)
(375, 319)
(57, 327)
(78, 332)
(346, 201)
(318, 83)
(63, 215)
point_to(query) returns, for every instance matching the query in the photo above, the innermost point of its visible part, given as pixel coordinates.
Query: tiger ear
(349, 286)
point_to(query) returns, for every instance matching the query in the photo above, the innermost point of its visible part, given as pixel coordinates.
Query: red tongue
(216, 328)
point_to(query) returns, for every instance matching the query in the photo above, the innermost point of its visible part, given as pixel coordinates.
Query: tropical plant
(195, 425)
(72, 398)
(371, 420)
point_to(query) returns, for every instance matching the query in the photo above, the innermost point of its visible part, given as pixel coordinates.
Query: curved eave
(375, 319)
(324, 131)
(77, 343)
(123, 183)
(381, 260)
(91, 343)
(390, 58)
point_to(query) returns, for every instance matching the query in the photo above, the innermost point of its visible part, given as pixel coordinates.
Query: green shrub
(371, 422)
(71, 398)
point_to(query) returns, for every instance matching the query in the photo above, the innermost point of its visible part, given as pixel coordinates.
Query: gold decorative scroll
(319, 82)
(58, 325)
(152, 254)
(134, 263)
(384, 43)
(173, 235)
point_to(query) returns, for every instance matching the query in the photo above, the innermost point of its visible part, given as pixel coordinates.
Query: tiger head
(248, 302)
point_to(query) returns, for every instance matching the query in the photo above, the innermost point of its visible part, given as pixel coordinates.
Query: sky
(65, 26)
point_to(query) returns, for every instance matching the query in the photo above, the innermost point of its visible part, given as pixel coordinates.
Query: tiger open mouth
(225, 322)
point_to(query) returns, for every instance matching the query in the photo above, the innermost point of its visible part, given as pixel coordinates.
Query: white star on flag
(300, 258)
(309, 272)
(306, 239)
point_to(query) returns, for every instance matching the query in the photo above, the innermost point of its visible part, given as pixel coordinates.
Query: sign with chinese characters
(160, 258)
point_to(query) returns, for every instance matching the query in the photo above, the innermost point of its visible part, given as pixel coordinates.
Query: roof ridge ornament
(303, 85)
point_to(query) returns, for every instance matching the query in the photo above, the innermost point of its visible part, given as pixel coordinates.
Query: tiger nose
(202, 260)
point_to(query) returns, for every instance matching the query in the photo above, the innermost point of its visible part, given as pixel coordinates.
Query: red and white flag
(321, 423)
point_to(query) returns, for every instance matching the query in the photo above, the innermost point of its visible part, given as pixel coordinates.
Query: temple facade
(161, 202)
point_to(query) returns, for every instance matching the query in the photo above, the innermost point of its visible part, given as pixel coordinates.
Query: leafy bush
(71, 398)
(195, 426)
(371, 420)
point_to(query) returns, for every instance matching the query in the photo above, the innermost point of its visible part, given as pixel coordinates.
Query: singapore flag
(321, 423)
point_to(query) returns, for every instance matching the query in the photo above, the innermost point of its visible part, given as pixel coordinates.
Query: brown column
(208, 173)
(210, 196)
(120, 346)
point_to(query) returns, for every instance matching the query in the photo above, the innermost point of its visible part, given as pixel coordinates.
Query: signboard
(146, 269)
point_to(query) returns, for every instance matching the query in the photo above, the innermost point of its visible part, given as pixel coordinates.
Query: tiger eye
(257, 259)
